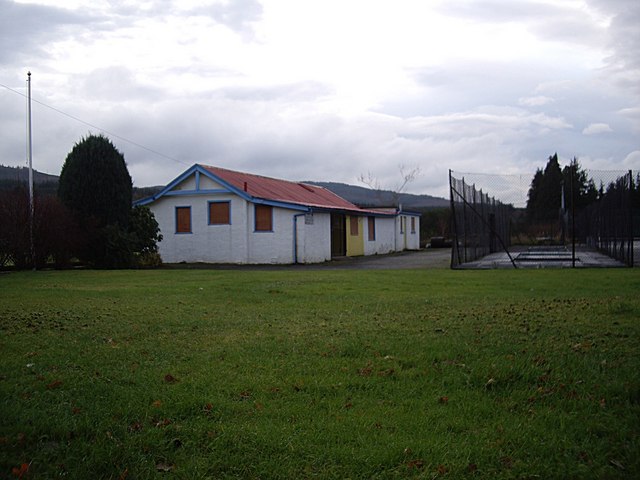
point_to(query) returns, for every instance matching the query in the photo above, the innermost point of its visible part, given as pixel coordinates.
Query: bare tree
(407, 176)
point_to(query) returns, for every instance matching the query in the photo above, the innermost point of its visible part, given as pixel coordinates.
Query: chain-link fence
(561, 210)
(480, 224)
(607, 223)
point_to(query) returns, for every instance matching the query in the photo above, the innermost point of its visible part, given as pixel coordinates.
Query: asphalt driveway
(426, 258)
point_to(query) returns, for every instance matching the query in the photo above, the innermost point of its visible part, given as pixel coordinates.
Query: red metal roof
(285, 191)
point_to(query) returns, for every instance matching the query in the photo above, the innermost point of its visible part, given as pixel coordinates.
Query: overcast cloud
(325, 90)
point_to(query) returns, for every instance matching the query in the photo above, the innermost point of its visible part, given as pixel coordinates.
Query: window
(353, 226)
(413, 224)
(264, 218)
(403, 220)
(183, 219)
(372, 228)
(219, 213)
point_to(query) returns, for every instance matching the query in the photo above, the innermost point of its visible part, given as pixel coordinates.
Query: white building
(213, 215)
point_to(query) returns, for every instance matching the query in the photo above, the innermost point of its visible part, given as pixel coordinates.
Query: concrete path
(427, 258)
(543, 258)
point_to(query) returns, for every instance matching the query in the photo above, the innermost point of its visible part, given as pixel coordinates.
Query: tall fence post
(572, 170)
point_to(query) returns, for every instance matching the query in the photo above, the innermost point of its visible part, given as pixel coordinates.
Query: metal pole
(30, 152)
(630, 209)
(572, 170)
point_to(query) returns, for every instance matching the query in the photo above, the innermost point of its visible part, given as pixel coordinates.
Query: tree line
(555, 190)
(90, 219)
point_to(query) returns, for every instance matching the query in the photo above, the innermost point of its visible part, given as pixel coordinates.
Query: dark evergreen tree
(534, 196)
(95, 183)
(545, 194)
(576, 180)
(96, 187)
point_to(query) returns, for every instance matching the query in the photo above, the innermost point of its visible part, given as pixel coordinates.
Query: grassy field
(320, 374)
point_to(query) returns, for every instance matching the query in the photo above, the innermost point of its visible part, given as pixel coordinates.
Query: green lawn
(320, 374)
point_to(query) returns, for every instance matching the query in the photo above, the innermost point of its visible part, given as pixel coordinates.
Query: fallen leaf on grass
(507, 462)
(55, 384)
(157, 404)
(417, 464)
(164, 467)
(135, 427)
(617, 464)
(582, 347)
(162, 423)
(443, 400)
(168, 378)
(21, 471)
(442, 469)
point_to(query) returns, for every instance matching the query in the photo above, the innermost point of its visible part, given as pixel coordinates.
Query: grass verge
(320, 374)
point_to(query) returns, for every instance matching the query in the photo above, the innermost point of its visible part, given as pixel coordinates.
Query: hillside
(21, 174)
(10, 177)
(46, 184)
(381, 198)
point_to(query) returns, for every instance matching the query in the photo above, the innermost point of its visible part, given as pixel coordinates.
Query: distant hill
(366, 197)
(10, 177)
(21, 174)
(44, 183)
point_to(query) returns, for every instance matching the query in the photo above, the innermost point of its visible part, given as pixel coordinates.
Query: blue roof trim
(276, 203)
(197, 170)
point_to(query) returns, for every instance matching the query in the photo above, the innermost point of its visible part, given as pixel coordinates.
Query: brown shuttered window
(219, 213)
(372, 228)
(264, 218)
(183, 219)
(353, 226)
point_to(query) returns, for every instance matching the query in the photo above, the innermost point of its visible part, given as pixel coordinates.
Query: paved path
(543, 258)
(427, 258)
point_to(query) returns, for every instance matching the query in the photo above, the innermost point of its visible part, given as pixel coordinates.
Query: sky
(325, 90)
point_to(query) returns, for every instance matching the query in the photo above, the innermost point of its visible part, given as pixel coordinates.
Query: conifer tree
(96, 187)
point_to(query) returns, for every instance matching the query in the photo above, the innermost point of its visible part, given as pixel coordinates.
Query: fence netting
(582, 210)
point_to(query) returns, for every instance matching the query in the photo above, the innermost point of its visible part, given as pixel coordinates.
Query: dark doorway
(338, 235)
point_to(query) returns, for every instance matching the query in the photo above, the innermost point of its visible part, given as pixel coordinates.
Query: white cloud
(632, 161)
(596, 129)
(325, 90)
(537, 101)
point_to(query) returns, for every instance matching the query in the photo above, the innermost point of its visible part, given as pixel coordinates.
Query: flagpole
(30, 153)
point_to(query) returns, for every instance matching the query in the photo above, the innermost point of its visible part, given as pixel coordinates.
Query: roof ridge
(301, 183)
